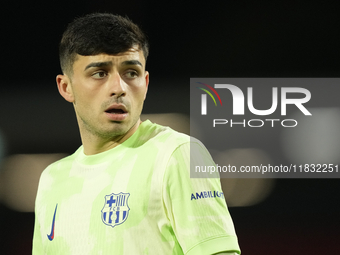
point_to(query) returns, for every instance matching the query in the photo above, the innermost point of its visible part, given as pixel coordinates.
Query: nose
(116, 86)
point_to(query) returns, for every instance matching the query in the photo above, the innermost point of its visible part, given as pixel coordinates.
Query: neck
(94, 144)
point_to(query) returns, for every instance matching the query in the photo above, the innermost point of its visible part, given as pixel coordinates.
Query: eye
(131, 74)
(99, 75)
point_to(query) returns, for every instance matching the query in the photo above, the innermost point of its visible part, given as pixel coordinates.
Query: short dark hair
(98, 33)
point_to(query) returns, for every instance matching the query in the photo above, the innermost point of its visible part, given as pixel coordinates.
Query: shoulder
(172, 141)
(166, 133)
(158, 133)
(60, 164)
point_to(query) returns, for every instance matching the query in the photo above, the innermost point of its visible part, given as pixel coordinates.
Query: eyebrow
(131, 63)
(109, 63)
(98, 64)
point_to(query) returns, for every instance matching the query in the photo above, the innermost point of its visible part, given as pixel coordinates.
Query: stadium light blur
(315, 140)
(245, 191)
(19, 179)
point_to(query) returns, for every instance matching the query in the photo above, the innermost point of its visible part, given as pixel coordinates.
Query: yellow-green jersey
(137, 198)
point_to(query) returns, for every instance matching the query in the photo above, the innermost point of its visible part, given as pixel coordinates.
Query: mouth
(116, 109)
(116, 112)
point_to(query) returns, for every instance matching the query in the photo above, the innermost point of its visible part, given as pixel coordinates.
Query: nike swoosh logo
(51, 236)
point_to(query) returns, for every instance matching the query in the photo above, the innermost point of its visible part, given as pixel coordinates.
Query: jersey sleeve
(37, 246)
(37, 241)
(196, 207)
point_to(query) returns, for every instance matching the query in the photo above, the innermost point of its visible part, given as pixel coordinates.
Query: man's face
(108, 92)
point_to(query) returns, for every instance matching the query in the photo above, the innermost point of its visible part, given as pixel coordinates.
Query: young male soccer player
(127, 189)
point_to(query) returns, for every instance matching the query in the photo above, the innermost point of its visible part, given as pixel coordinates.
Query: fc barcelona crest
(116, 209)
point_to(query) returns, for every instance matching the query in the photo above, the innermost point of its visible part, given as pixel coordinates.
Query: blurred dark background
(188, 39)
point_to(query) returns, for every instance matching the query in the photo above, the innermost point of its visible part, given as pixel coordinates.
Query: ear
(64, 87)
(146, 82)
